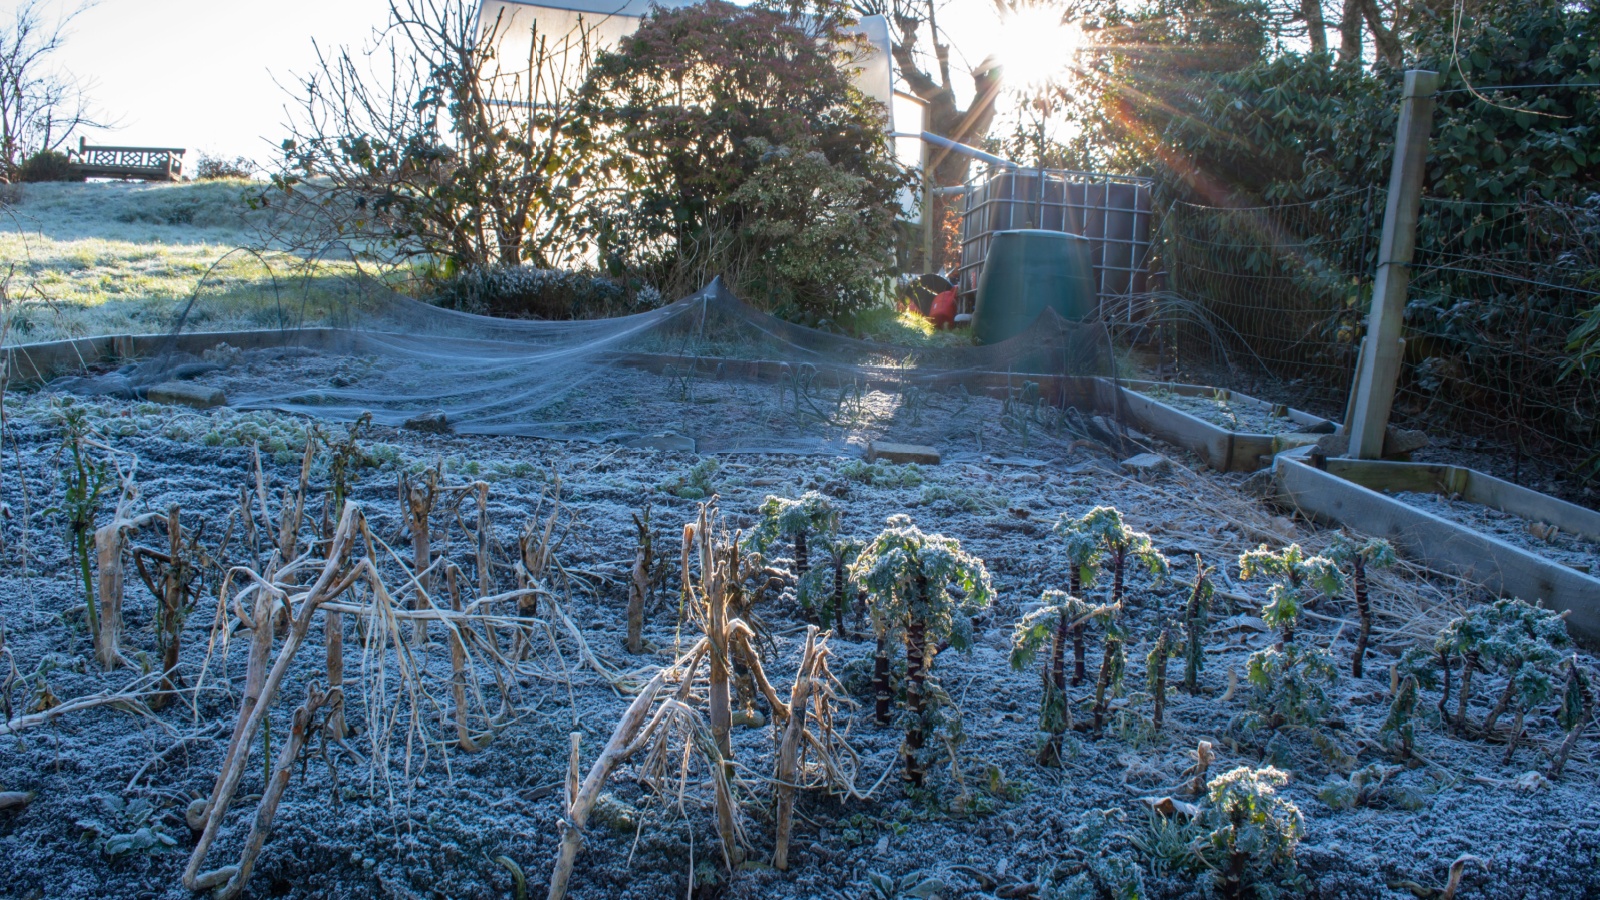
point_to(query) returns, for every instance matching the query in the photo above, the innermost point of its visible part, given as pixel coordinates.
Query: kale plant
(1376, 553)
(1082, 554)
(1296, 573)
(1119, 545)
(1058, 614)
(1289, 686)
(813, 515)
(1252, 835)
(908, 576)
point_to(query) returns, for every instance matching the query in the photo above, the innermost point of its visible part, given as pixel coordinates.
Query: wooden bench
(144, 163)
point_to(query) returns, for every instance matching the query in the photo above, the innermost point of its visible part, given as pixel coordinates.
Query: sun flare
(1038, 47)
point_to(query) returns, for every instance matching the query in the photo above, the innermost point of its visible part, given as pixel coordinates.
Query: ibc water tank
(1026, 272)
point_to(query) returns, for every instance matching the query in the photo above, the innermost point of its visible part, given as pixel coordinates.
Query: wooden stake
(1381, 352)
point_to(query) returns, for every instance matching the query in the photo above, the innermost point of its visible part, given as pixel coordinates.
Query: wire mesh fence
(1275, 293)
(1277, 297)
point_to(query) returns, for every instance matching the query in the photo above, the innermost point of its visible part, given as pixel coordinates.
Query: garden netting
(708, 372)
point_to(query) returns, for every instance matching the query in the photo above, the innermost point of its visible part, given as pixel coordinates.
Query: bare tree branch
(40, 107)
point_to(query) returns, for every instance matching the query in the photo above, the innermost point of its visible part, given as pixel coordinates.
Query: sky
(199, 74)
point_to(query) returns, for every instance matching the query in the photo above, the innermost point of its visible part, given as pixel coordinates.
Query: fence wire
(1274, 295)
(1277, 299)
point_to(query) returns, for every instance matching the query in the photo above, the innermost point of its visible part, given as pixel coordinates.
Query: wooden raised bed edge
(1223, 450)
(1340, 496)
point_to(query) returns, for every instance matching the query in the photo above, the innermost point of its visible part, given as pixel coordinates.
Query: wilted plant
(1463, 637)
(83, 480)
(908, 576)
(1058, 614)
(1399, 728)
(125, 827)
(1296, 573)
(1369, 786)
(1105, 866)
(1113, 662)
(173, 578)
(1195, 619)
(812, 515)
(1376, 553)
(639, 585)
(696, 484)
(417, 500)
(1576, 711)
(1526, 642)
(1156, 674)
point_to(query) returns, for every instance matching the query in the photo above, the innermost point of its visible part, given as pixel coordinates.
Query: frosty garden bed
(1369, 496)
(437, 820)
(1192, 417)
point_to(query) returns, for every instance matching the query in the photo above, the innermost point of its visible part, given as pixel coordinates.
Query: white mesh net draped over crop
(708, 368)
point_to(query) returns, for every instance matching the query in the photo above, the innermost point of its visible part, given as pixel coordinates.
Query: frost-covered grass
(109, 258)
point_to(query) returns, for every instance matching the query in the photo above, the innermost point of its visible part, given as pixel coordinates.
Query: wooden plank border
(1439, 543)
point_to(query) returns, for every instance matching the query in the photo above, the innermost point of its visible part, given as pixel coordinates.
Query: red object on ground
(943, 311)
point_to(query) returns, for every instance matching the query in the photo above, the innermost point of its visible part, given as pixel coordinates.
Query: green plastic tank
(1026, 272)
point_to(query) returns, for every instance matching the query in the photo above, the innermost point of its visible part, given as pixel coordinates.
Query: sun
(1037, 47)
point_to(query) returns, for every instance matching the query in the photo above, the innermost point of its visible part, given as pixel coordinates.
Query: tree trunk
(1350, 34)
(947, 168)
(1387, 42)
(1360, 578)
(1316, 25)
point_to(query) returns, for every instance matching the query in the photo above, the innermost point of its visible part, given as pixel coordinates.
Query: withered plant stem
(789, 748)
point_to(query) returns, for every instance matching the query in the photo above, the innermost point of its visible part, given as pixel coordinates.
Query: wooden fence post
(1381, 354)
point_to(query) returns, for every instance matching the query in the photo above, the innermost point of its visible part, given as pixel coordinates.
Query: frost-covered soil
(1535, 537)
(1239, 416)
(436, 828)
